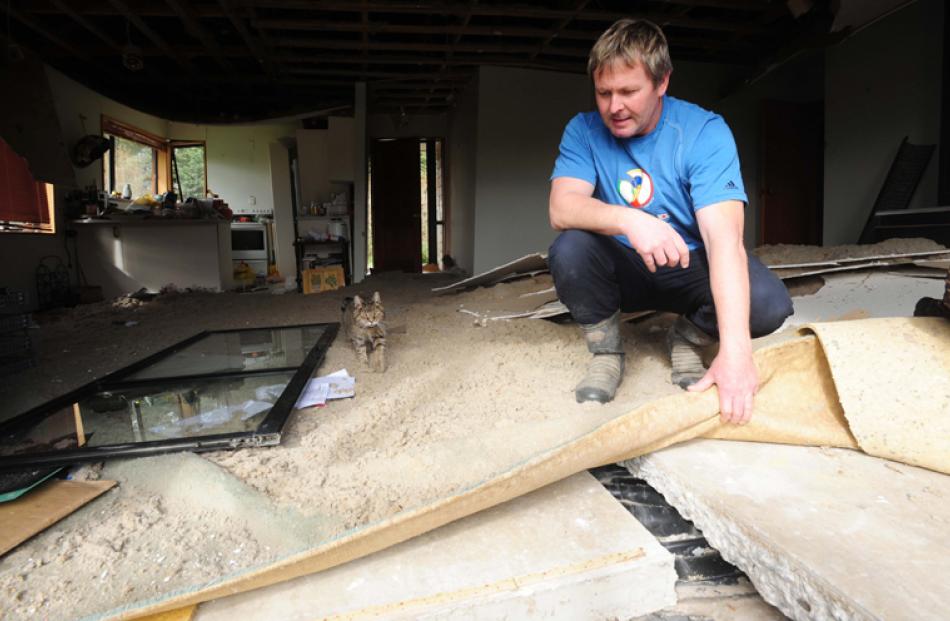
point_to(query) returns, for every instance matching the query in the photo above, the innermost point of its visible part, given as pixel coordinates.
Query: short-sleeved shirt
(689, 161)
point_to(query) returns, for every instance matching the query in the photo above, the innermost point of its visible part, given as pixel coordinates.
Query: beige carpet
(878, 385)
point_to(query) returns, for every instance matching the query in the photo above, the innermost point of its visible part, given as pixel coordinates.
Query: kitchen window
(152, 164)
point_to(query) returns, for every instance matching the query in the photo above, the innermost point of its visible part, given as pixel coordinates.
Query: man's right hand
(657, 243)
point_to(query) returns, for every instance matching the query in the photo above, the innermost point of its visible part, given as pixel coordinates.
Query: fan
(89, 149)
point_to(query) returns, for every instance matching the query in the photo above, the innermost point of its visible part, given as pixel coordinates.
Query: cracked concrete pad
(822, 533)
(567, 551)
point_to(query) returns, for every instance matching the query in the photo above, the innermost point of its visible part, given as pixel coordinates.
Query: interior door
(396, 205)
(792, 172)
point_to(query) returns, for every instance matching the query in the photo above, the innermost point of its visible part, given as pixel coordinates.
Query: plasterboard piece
(33, 513)
(876, 257)
(524, 265)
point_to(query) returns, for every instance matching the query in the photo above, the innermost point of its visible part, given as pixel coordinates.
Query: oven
(249, 244)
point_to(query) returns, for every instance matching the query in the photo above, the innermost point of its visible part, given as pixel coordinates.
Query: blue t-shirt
(689, 161)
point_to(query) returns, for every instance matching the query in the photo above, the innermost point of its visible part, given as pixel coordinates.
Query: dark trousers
(595, 275)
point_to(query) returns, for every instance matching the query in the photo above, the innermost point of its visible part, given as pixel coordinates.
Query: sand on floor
(461, 401)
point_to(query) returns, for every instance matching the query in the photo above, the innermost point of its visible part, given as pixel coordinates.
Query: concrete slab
(567, 551)
(858, 295)
(822, 533)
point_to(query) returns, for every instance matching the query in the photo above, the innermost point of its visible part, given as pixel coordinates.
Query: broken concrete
(822, 533)
(567, 551)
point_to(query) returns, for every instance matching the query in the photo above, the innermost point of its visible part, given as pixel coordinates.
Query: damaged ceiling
(240, 60)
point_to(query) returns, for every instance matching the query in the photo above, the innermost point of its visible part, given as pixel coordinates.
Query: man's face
(627, 100)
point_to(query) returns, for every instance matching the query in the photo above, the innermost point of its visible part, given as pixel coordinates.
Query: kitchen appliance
(249, 244)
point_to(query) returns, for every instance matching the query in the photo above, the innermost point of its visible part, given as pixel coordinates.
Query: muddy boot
(606, 368)
(685, 342)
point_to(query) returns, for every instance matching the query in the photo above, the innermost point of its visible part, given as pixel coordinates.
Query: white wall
(521, 116)
(239, 166)
(881, 84)
(341, 143)
(461, 147)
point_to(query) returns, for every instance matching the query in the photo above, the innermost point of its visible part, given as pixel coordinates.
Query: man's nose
(615, 104)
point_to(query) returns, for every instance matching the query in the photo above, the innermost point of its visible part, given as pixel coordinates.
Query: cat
(364, 323)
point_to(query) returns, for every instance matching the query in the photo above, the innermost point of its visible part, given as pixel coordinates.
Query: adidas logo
(730, 186)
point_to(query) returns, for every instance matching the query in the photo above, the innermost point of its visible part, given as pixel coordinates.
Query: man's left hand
(738, 381)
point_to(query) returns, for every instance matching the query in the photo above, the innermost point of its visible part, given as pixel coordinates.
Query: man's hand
(738, 381)
(656, 242)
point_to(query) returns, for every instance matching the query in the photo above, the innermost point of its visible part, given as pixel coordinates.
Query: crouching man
(649, 197)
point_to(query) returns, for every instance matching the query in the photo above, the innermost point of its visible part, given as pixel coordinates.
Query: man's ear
(664, 84)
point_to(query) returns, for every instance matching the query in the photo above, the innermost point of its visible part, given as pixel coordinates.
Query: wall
(798, 81)
(521, 116)
(882, 84)
(460, 175)
(239, 167)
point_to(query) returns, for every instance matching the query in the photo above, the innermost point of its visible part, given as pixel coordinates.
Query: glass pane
(191, 171)
(181, 409)
(245, 350)
(134, 165)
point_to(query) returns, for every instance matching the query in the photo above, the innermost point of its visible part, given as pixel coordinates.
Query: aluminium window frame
(268, 432)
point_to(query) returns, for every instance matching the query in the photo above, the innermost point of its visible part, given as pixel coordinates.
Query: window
(151, 164)
(26, 205)
(135, 159)
(189, 171)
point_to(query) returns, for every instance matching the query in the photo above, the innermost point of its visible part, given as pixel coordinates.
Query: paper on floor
(319, 390)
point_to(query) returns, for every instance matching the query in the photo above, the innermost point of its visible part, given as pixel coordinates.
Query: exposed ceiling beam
(152, 36)
(327, 44)
(88, 25)
(507, 10)
(262, 55)
(562, 24)
(739, 5)
(186, 14)
(36, 27)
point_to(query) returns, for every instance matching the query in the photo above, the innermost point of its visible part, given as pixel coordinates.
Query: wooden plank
(181, 614)
(24, 517)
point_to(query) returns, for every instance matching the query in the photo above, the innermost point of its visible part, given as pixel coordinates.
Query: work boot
(685, 342)
(606, 368)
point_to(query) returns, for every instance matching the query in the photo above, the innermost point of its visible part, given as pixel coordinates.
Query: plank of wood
(181, 614)
(33, 513)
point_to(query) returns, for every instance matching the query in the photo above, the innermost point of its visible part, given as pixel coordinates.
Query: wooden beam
(509, 10)
(355, 74)
(33, 25)
(88, 25)
(325, 44)
(262, 56)
(152, 36)
(562, 24)
(186, 14)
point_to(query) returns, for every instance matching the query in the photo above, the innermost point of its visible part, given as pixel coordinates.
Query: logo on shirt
(638, 190)
(730, 186)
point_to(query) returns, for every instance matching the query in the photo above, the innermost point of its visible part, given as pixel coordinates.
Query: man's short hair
(632, 41)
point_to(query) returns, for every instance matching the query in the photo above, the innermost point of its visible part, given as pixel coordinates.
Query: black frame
(266, 434)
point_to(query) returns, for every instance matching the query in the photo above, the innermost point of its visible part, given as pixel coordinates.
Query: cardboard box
(320, 279)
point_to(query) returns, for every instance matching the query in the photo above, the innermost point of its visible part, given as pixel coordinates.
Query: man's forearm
(729, 280)
(571, 210)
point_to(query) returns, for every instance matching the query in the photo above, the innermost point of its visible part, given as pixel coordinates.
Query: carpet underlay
(881, 386)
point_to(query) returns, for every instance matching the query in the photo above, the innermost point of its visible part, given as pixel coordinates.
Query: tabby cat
(365, 325)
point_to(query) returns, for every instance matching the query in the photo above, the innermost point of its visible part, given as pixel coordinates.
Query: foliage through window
(188, 170)
(134, 164)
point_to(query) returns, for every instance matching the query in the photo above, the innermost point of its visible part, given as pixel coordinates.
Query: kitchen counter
(128, 253)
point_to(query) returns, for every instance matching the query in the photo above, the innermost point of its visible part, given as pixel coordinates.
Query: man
(649, 198)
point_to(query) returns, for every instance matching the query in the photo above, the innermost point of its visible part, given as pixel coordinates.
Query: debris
(319, 390)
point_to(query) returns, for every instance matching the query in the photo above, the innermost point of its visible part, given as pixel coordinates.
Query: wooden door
(792, 172)
(396, 205)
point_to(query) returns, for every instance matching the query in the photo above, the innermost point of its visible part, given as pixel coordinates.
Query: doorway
(406, 224)
(792, 187)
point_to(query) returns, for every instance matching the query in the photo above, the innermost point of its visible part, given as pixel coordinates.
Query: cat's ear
(376, 298)
(357, 302)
